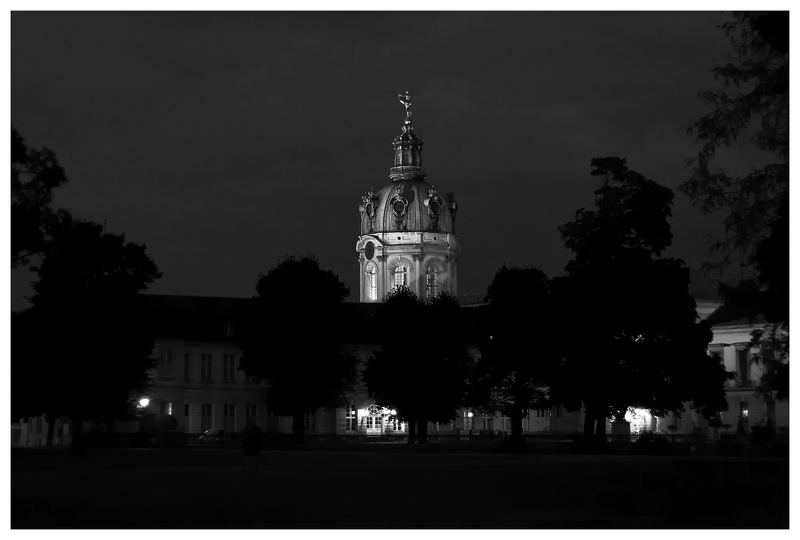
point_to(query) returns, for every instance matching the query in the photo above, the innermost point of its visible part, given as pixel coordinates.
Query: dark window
(205, 416)
(187, 367)
(228, 416)
(165, 366)
(227, 367)
(743, 366)
(205, 368)
(227, 328)
(185, 409)
(251, 410)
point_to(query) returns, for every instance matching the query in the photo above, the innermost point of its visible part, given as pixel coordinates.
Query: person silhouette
(251, 444)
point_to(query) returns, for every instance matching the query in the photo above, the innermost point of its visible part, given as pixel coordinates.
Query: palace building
(407, 238)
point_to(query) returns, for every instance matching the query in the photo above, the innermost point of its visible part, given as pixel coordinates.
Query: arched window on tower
(372, 282)
(400, 276)
(431, 282)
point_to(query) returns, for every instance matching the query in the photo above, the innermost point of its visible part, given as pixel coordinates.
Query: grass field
(393, 487)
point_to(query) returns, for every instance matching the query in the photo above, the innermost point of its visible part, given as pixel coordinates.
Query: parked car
(214, 435)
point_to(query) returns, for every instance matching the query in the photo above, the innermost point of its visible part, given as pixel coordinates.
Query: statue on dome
(405, 99)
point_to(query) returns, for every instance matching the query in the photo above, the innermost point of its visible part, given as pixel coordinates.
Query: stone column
(381, 276)
(419, 278)
(362, 295)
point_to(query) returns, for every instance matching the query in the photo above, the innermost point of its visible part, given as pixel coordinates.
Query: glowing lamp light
(469, 414)
(144, 402)
(393, 412)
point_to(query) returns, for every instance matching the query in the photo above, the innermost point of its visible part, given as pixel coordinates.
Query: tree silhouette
(518, 357)
(759, 77)
(86, 333)
(34, 175)
(291, 340)
(421, 367)
(757, 203)
(634, 339)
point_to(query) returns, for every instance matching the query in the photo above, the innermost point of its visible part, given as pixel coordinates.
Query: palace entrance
(377, 420)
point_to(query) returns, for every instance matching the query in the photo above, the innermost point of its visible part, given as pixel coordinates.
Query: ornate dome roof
(408, 205)
(407, 202)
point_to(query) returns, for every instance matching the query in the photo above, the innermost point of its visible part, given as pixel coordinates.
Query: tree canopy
(757, 204)
(637, 341)
(86, 335)
(34, 175)
(421, 367)
(291, 341)
(518, 349)
(757, 103)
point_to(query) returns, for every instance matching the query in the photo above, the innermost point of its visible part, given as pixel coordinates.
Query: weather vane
(405, 99)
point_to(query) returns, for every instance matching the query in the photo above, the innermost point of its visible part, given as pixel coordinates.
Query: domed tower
(407, 228)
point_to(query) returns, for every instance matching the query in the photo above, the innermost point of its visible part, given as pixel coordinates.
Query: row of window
(166, 367)
(470, 421)
(207, 410)
(399, 278)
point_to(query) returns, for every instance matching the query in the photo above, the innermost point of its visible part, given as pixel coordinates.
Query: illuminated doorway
(377, 420)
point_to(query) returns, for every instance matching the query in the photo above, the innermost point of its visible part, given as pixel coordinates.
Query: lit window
(372, 282)
(400, 276)
(350, 419)
(166, 408)
(431, 282)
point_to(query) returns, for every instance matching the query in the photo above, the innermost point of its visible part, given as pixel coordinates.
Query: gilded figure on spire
(405, 99)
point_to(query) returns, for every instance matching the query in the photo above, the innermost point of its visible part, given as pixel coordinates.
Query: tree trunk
(298, 427)
(77, 442)
(412, 430)
(423, 431)
(51, 425)
(588, 423)
(769, 400)
(601, 427)
(516, 426)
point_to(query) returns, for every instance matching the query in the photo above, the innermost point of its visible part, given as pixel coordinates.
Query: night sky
(225, 141)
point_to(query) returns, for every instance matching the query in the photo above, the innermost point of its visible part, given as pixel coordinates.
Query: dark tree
(518, 352)
(758, 102)
(633, 337)
(291, 340)
(421, 367)
(757, 204)
(34, 175)
(87, 333)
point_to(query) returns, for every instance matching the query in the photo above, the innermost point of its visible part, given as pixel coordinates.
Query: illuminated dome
(407, 202)
(410, 205)
(407, 228)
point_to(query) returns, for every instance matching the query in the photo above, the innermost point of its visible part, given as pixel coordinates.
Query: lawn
(393, 487)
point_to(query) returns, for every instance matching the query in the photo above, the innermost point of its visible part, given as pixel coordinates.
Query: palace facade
(407, 238)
